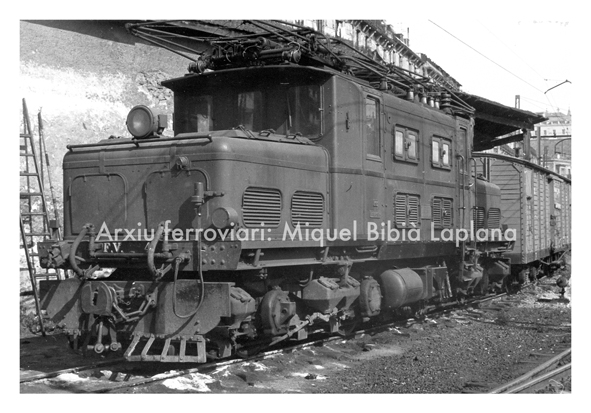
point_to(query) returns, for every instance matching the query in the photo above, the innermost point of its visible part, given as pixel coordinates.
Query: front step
(185, 349)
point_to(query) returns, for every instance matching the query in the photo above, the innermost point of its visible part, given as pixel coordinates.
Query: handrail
(136, 142)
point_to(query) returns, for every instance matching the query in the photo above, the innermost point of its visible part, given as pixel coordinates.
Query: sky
(498, 58)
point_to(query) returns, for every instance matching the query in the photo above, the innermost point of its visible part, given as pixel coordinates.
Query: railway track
(51, 374)
(127, 381)
(550, 374)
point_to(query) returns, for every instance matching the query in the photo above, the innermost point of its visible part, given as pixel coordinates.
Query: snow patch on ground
(191, 382)
(222, 369)
(70, 377)
(257, 366)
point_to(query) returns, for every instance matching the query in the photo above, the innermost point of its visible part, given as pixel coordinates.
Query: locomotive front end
(157, 229)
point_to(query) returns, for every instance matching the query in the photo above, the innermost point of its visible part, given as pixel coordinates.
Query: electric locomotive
(300, 193)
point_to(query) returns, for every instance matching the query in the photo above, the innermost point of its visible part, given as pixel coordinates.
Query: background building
(551, 140)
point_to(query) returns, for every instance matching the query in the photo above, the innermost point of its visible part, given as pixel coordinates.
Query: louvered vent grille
(478, 218)
(447, 213)
(494, 218)
(307, 208)
(442, 212)
(406, 210)
(413, 211)
(436, 212)
(400, 210)
(261, 205)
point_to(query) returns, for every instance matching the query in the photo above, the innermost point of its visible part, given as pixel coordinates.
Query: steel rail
(41, 376)
(440, 309)
(206, 367)
(540, 380)
(299, 346)
(527, 377)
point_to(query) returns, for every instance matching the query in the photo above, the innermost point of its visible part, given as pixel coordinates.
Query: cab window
(441, 155)
(406, 144)
(372, 126)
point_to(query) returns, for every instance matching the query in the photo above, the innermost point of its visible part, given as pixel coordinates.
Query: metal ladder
(35, 225)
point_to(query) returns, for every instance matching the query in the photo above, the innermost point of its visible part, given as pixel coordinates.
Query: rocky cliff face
(85, 76)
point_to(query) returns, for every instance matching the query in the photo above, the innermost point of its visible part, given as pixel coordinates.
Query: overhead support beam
(526, 144)
(504, 120)
(502, 141)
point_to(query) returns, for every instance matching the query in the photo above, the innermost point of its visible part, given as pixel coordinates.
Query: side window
(435, 152)
(372, 126)
(398, 144)
(406, 144)
(411, 145)
(445, 152)
(441, 152)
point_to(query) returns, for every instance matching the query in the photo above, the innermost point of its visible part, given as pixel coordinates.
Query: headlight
(142, 123)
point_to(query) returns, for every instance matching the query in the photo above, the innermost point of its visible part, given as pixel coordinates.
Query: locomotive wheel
(370, 297)
(276, 311)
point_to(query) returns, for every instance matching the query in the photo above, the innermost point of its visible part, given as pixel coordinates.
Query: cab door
(373, 162)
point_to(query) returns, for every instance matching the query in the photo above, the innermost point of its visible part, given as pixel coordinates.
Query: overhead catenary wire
(514, 52)
(486, 57)
(277, 43)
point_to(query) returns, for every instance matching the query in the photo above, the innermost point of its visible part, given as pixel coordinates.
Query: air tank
(400, 287)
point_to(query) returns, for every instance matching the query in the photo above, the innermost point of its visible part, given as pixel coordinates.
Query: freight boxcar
(536, 203)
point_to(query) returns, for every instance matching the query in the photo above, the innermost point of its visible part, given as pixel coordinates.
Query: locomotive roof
(276, 43)
(283, 45)
(246, 74)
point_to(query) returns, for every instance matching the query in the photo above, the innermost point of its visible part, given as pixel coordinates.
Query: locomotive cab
(282, 100)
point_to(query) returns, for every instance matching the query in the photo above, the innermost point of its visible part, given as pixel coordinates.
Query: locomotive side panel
(422, 190)
(344, 141)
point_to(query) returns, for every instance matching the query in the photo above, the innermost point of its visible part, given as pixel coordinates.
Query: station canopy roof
(497, 124)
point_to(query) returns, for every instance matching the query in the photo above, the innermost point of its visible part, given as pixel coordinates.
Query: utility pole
(539, 135)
